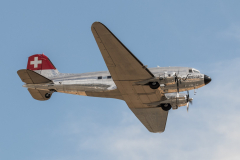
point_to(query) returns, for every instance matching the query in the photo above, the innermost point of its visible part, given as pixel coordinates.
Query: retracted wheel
(166, 106)
(154, 85)
(47, 95)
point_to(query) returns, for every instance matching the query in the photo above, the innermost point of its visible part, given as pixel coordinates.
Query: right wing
(126, 70)
(154, 119)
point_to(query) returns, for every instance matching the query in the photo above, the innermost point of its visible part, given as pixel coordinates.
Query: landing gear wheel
(47, 95)
(154, 85)
(166, 106)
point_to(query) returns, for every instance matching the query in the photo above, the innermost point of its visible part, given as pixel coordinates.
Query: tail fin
(42, 65)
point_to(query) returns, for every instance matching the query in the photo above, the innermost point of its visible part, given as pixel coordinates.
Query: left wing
(126, 70)
(121, 63)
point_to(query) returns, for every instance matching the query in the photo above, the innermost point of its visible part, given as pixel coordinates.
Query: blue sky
(200, 34)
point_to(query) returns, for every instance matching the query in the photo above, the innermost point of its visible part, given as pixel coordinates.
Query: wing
(122, 64)
(126, 70)
(154, 119)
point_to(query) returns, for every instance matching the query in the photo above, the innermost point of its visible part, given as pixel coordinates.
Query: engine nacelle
(176, 99)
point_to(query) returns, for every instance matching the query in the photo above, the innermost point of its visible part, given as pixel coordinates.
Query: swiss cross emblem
(36, 62)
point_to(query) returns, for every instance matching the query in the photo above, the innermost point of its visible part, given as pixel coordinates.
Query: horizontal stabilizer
(31, 77)
(39, 94)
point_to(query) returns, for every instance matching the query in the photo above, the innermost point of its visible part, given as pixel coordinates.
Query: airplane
(149, 92)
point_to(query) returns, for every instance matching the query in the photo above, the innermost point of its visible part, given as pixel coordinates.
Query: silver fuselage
(100, 84)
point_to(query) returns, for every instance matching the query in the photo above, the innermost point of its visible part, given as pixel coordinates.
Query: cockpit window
(195, 71)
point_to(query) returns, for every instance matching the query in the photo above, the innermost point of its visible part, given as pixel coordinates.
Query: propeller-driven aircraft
(149, 92)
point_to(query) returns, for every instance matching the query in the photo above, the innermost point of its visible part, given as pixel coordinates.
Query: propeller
(177, 82)
(188, 100)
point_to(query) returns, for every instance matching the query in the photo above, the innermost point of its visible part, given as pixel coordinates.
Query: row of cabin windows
(190, 71)
(108, 77)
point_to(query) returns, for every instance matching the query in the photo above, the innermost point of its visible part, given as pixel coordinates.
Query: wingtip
(97, 23)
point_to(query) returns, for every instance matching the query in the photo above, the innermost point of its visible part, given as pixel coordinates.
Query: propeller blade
(191, 101)
(177, 99)
(188, 100)
(177, 86)
(177, 81)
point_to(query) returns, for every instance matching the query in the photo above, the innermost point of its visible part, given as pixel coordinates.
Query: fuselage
(100, 83)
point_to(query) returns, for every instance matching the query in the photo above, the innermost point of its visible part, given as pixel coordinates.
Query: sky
(201, 34)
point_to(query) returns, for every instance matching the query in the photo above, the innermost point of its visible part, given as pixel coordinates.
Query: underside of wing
(154, 119)
(122, 64)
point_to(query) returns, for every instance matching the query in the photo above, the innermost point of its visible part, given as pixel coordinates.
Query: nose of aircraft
(207, 79)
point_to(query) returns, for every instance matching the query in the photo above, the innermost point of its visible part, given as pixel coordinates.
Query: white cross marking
(36, 62)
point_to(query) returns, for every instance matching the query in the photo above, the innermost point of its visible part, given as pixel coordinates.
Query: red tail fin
(39, 62)
(42, 65)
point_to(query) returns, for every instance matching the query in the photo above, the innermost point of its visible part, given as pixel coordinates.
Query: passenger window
(109, 77)
(190, 71)
(100, 77)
